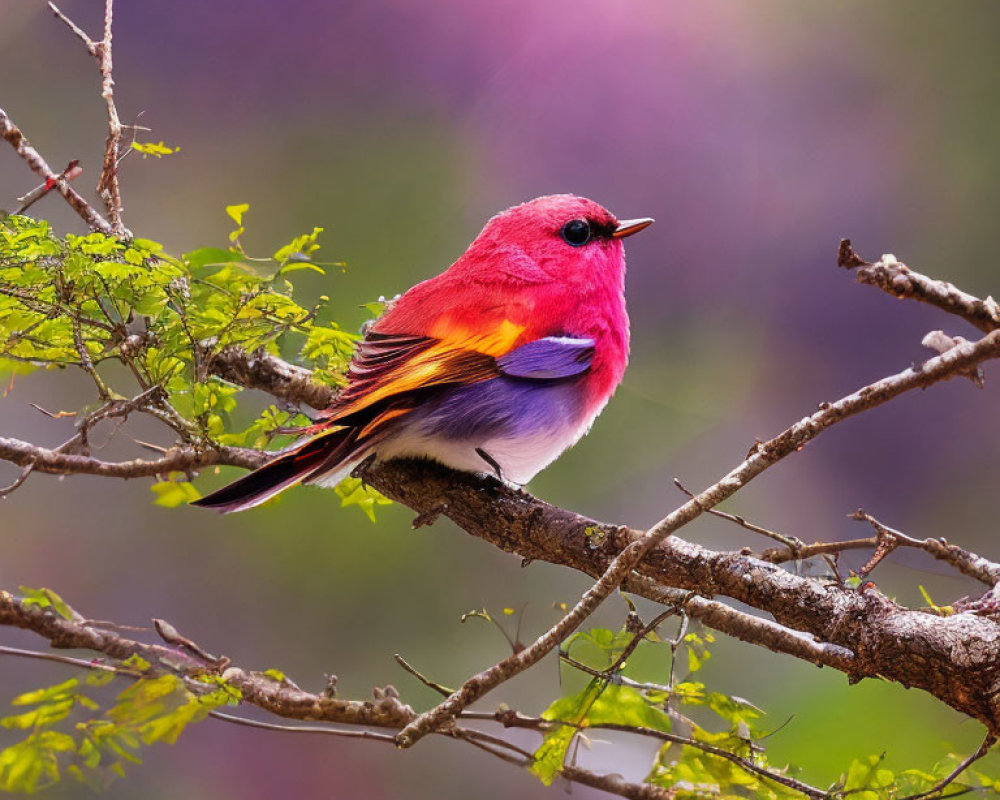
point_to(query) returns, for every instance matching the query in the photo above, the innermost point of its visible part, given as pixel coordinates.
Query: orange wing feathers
(388, 369)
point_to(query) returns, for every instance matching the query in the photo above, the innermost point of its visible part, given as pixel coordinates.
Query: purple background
(756, 134)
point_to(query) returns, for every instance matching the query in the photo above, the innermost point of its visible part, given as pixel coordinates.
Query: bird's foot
(497, 469)
(361, 470)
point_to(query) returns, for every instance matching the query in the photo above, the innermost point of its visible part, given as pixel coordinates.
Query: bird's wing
(390, 371)
(551, 358)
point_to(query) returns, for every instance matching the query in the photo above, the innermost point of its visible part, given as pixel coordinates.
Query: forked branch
(107, 184)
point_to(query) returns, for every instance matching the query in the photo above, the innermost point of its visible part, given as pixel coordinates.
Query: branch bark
(895, 278)
(11, 134)
(107, 184)
(260, 370)
(279, 697)
(957, 659)
(176, 459)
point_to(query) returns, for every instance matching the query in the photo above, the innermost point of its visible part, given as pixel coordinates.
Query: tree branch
(11, 134)
(895, 278)
(260, 370)
(107, 184)
(176, 459)
(279, 697)
(635, 547)
(520, 523)
(861, 633)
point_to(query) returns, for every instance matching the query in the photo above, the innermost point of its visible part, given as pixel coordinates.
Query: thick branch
(261, 370)
(956, 361)
(957, 659)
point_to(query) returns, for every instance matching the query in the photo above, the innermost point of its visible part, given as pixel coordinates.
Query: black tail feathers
(319, 456)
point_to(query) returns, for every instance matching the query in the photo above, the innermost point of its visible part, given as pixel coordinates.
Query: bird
(497, 365)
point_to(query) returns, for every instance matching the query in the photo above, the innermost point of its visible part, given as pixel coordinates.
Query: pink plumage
(496, 365)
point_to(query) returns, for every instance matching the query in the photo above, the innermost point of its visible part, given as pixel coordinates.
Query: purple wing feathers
(551, 358)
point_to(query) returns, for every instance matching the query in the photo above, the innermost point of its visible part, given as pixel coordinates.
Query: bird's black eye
(576, 232)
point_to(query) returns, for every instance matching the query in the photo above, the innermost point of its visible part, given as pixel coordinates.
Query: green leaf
(293, 264)
(43, 716)
(46, 598)
(301, 248)
(623, 705)
(207, 256)
(353, 492)
(599, 703)
(32, 764)
(236, 212)
(171, 494)
(697, 650)
(46, 695)
(375, 307)
(944, 611)
(158, 149)
(137, 663)
(549, 757)
(865, 777)
(100, 677)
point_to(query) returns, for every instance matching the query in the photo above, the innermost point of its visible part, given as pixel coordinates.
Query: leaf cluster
(145, 326)
(67, 733)
(707, 726)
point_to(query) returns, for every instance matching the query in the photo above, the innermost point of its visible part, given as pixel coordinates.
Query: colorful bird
(496, 365)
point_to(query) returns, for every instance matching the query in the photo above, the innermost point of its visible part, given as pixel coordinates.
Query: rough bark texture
(955, 658)
(262, 371)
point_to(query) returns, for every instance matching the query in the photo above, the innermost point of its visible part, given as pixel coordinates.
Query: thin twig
(73, 170)
(641, 634)
(107, 183)
(742, 763)
(675, 644)
(20, 479)
(89, 43)
(779, 555)
(791, 542)
(57, 659)
(272, 726)
(984, 748)
(894, 277)
(87, 364)
(511, 758)
(177, 459)
(444, 691)
(609, 675)
(10, 133)
(966, 562)
(479, 736)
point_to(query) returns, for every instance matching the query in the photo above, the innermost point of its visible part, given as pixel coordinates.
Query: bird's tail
(326, 458)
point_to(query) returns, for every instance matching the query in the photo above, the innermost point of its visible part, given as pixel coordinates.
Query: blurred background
(756, 134)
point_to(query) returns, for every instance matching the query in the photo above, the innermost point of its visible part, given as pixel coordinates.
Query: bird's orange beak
(627, 227)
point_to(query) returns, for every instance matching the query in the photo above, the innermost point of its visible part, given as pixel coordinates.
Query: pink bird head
(559, 237)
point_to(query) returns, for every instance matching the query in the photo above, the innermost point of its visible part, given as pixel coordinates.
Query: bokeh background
(757, 134)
